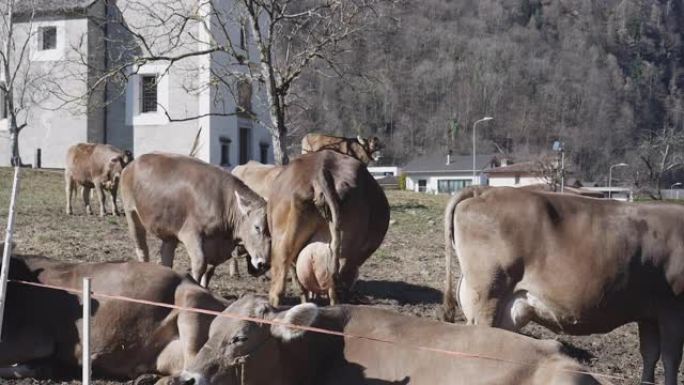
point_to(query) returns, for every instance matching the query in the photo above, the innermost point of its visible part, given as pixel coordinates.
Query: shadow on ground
(402, 292)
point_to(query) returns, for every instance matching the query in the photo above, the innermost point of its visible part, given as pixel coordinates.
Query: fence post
(4, 271)
(85, 337)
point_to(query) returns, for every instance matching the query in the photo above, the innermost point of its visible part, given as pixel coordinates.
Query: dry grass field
(405, 274)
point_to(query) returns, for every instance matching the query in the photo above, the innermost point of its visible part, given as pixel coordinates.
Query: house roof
(522, 167)
(44, 6)
(436, 162)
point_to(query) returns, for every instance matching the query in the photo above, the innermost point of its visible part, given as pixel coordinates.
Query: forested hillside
(604, 76)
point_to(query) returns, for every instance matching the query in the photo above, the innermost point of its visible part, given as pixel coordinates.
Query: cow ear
(242, 205)
(300, 315)
(361, 140)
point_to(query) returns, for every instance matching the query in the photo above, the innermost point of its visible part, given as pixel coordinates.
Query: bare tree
(15, 67)
(265, 45)
(660, 154)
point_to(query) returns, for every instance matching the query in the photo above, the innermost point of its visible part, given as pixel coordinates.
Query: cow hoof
(148, 379)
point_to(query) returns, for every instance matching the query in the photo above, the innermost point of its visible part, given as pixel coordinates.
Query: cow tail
(449, 304)
(328, 204)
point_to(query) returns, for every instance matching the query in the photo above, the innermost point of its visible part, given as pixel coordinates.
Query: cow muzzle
(189, 378)
(259, 264)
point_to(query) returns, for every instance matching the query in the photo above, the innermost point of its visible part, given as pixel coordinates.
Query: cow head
(372, 146)
(114, 167)
(240, 350)
(252, 230)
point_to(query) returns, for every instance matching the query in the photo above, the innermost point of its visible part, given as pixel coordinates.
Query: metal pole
(85, 337)
(562, 170)
(474, 151)
(610, 177)
(4, 271)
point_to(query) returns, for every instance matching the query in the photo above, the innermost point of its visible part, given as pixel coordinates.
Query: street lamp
(610, 177)
(675, 185)
(486, 118)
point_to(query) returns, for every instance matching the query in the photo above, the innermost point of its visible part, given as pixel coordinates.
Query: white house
(436, 173)
(515, 175)
(380, 172)
(135, 115)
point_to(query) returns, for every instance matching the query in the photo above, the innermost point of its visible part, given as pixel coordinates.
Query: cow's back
(169, 190)
(87, 161)
(258, 176)
(481, 355)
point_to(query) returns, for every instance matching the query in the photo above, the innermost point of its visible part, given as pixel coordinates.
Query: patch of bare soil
(406, 274)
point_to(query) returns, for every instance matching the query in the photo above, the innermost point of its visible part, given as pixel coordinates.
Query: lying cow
(575, 265)
(94, 165)
(359, 148)
(42, 327)
(258, 176)
(179, 198)
(247, 353)
(325, 195)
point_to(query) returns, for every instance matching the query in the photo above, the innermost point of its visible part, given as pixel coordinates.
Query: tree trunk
(15, 160)
(280, 149)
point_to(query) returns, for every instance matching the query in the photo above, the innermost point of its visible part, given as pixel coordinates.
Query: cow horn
(361, 140)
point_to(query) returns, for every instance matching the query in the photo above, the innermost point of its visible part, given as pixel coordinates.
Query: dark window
(148, 94)
(517, 178)
(245, 95)
(263, 152)
(225, 151)
(449, 186)
(245, 145)
(47, 38)
(422, 185)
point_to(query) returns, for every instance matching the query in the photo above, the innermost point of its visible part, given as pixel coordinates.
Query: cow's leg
(233, 270)
(206, 277)
(671, 342)
(112, 195)
(86, 200)
(167, 251)
(649, 346)
(198, 262)
(304, 296)
(69, 190)
(100, 197)
(137, 232)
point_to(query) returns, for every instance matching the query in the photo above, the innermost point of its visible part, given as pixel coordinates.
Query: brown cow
(179, 198)
(359, 148)
(42, 326)
(94, 165)
(258, 176)
(246, 353)
(573, 264)
(329, 197)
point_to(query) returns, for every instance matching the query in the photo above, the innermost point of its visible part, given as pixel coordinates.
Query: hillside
(604, 76)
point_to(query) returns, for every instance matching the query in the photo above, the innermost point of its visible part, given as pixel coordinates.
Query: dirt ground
(405, 274)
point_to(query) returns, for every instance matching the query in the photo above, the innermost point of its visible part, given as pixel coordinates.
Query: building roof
(436, 162)
(518, 168)
(45, 6)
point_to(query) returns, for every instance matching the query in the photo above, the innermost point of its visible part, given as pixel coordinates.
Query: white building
(515, 175)
(133, 115)
(436, 173)
(380, 172)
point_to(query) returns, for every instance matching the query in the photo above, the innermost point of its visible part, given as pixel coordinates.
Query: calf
(248, 353)
(94, 165)
(42, 327)
(179, 198)
(359, 148)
